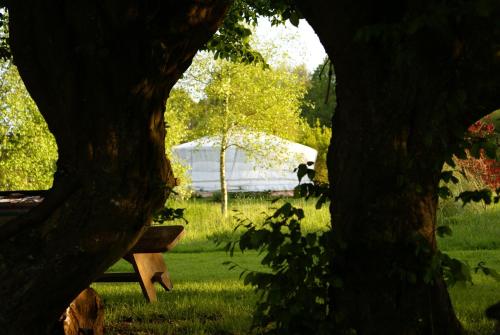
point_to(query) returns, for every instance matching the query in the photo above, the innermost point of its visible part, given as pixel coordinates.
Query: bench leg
(151, 268)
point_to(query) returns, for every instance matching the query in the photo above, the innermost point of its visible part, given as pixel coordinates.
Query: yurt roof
(256, 138)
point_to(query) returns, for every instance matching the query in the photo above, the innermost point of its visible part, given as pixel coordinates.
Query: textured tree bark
(392, 131)
(100, 73)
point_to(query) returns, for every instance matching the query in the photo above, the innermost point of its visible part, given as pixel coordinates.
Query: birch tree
(244, 99)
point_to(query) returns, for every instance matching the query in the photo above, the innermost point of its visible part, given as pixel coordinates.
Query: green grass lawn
(209, 299)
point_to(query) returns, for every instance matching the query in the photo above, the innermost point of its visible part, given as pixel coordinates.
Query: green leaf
(484, 195)
(481, 267)
(443, 231)
(301, 171)
(294, 18)
(321, 201)
(448, 176)
(311, 174)
(444, 192)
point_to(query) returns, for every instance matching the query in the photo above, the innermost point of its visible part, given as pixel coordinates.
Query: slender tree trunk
(222, 169)
(393, 128)
(224, 143)
(100, 73)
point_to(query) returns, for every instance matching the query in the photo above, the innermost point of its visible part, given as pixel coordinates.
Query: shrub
(481, 160)
(317, 137)
(294, 294)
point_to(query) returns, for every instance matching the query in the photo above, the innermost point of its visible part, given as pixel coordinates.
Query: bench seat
(147, 259)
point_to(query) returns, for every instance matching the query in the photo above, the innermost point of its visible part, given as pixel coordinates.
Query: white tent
(244, 173)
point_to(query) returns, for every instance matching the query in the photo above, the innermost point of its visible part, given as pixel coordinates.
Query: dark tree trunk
(399, 110)
(100, 73)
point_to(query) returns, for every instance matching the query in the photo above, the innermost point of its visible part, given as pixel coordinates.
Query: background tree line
(259, 98)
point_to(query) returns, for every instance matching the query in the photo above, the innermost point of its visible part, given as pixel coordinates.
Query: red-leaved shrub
(483, 168)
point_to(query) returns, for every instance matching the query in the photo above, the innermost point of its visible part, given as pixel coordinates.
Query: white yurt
(266, 164)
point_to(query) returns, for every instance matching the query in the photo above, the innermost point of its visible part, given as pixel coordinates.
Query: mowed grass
(475, 238)
(210, 299)
(207, 299)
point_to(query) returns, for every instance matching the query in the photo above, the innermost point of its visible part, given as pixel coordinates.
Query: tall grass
(206, 222)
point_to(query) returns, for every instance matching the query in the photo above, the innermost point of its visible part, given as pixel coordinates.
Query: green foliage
(294, 294)
(316, 189)
(320, 100)
(317, 137)
(28, 151)
(487, 271)
(300, 263)
(243, 101)
(246, 98)
(5, 53)
(169, 214)
(235, 98)
(178, 115)
(485, 195)
(232, 41)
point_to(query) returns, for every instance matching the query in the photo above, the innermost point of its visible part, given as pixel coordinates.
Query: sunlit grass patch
(192, 308)
(206, 222)
(470, 301)
(473, 229)
(209, 299)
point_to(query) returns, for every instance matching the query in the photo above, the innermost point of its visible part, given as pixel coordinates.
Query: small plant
(294, 293)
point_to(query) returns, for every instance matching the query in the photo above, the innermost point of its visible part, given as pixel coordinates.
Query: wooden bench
(147, 259)
(146, 256)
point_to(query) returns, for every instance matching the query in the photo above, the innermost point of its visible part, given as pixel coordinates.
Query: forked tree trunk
(100, 72)
(393, 128)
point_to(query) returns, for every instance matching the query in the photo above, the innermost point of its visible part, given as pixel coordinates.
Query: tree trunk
(100, 73)
(393, 128)
(224, 144)
(222, 170)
